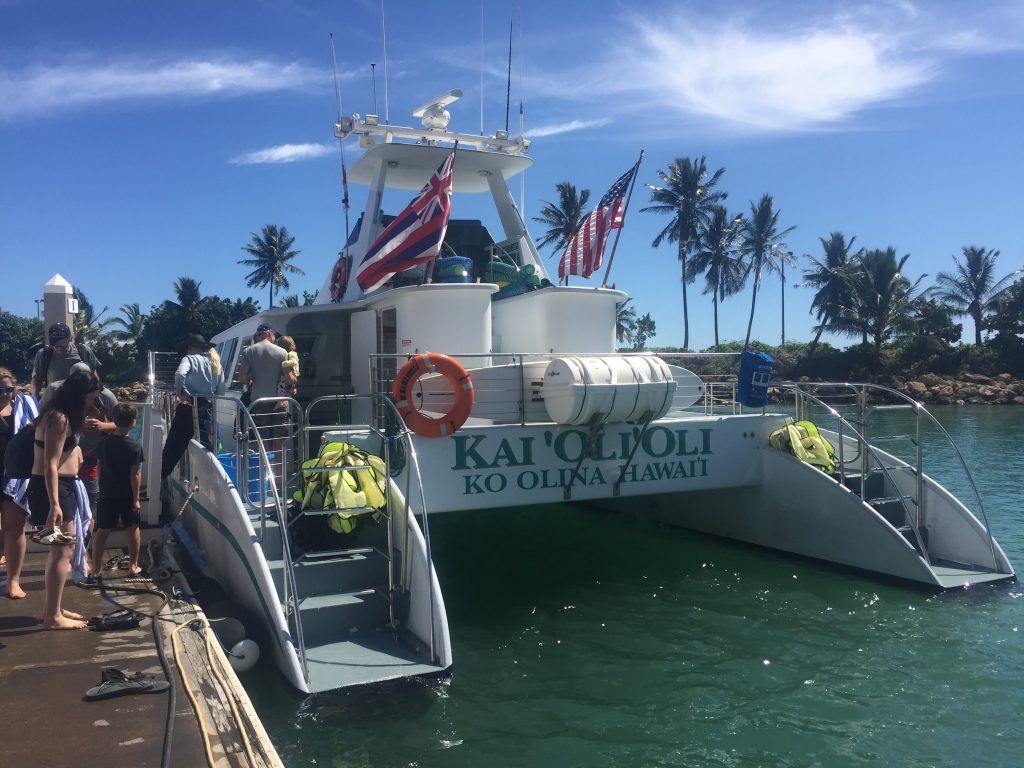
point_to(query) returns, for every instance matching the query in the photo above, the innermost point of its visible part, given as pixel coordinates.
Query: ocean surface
(588, 639)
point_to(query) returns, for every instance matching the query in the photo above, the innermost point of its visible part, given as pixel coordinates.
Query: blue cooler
(227, 460)
(754, 379)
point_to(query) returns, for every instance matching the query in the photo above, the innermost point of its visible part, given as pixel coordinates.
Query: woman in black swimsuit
(51, 489)
(12, 518)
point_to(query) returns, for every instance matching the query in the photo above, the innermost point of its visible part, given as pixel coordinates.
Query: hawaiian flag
(585, 251)
(415, 236)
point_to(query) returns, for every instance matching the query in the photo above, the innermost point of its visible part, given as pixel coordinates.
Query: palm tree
(625, 321)
(972, 289)
(271, 251)
(563, 218)
(716, 260)
(88, 326)
(829, 277)
(290, 301)
(186, 290)
(762, 244)
(689, 197)
(882, 299)
(131, 324)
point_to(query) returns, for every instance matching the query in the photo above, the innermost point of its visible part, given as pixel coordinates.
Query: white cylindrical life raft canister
(576, 389)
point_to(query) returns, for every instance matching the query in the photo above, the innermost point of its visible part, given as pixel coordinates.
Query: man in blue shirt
(198, 377)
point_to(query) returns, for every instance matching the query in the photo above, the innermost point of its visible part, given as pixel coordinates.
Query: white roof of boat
(415, 162)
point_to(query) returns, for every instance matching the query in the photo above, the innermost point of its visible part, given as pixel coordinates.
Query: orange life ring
(421, 365)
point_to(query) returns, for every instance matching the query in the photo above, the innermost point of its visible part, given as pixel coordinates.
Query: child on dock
(120, 460)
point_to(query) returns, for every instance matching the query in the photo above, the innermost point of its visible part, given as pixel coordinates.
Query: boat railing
(260, 444)
(862, 401)
(399, 454)
(719, 394)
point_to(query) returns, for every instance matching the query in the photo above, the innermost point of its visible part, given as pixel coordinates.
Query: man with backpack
(53, 362)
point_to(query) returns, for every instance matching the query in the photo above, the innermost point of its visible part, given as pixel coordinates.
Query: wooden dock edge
(219, 696)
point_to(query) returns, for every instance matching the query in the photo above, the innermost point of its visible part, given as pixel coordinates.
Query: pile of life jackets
(353, 492)
(803, 440)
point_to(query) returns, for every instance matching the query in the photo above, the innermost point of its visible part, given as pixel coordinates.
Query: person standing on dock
(53, 489)
(120, 460)
(54, 362)
(198, 377)
(17, 410)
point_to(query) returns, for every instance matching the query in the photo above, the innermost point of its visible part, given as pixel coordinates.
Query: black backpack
(20, 453)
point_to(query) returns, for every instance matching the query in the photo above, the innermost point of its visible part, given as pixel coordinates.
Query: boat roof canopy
(413, 164)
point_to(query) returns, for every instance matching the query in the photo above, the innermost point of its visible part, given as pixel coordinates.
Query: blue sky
(141, 142)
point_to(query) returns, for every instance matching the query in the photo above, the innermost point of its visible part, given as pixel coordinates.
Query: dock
(45, 674)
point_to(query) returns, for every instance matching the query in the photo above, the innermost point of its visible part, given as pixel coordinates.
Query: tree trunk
(817, 336)
(753, 303)
(686, 315)
(977, 331)
(714, 302)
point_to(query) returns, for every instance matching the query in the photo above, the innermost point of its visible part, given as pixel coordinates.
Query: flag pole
(430, 270)
(625, 208)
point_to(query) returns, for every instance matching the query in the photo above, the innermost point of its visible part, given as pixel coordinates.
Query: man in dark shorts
(120, 460)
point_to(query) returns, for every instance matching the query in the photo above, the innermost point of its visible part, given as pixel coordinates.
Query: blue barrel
(754, 379)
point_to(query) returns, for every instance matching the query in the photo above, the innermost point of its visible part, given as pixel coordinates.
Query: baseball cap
(263, 328)
(59, 332)
(80, 368)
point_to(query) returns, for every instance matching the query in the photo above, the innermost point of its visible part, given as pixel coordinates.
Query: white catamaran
(489, 387)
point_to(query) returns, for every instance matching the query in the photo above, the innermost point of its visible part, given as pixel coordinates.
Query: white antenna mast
(481, 67)
(522, 117)
(384, 43)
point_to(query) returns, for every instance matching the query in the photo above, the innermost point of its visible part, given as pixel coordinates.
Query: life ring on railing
(458, 377)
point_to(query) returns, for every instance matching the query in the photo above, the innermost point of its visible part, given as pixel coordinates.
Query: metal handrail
(864, 413)
(412, 469)
(246, 428)
(863, 445)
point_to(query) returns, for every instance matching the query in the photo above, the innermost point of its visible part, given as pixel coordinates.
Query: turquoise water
(584, 639)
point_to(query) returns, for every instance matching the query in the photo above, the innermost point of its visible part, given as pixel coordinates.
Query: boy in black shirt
(120, 458)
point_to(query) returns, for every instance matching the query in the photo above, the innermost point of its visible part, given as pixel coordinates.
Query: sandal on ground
(116, 621)
(89, 582)
(56, 537)
(117, 683)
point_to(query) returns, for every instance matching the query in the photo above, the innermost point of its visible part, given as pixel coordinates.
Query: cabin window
(236, 383)
(226, 350)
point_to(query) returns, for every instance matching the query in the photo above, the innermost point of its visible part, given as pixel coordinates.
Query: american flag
(586, 249)
(415, 236)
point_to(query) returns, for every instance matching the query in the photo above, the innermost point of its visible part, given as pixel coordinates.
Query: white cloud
(285, 153)
(780, 82)
(38, 89)
(554, 129)
(780, 68)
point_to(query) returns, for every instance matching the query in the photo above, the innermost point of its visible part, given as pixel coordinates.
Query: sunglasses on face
(6, 390)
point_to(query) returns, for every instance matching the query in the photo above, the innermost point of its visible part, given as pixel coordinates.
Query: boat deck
(44, 676)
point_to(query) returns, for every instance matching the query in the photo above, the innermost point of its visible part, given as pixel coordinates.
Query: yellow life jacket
(803, 440)
(352, 492)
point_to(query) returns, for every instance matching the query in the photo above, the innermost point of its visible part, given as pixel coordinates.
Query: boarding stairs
(345, 595)
(898, 490)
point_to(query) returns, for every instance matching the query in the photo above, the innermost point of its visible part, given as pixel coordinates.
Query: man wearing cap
(260, 368)
(53, 362)
(198, 377)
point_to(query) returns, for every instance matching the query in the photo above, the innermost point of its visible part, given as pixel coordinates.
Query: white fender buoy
(244, 655)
